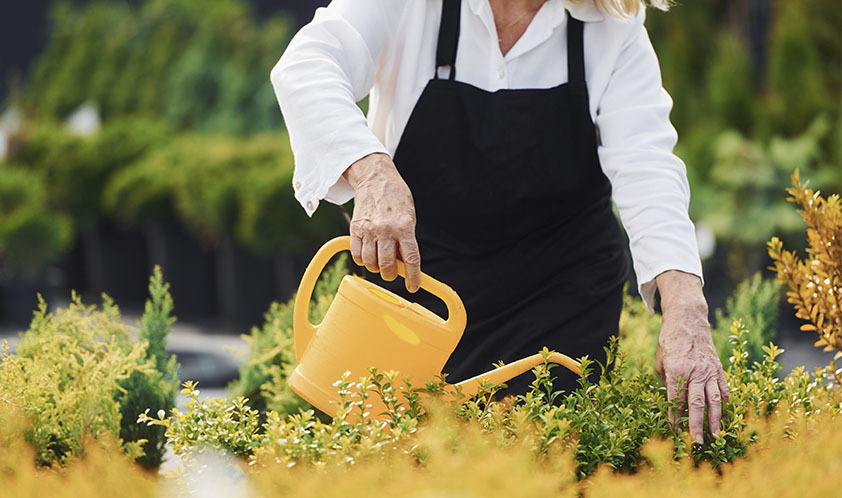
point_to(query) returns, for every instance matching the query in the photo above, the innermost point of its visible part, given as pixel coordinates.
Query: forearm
(369, 168)
(325, 70)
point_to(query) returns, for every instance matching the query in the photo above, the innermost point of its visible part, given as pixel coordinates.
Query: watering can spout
(471, 386)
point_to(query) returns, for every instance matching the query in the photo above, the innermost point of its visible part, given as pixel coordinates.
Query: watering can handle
(304, 330)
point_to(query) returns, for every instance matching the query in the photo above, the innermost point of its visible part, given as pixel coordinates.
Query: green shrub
(602, 423)
(638, 333)
(76, 169)
(79, 373)
(798, 75)
(105, 470)
(741, 202)
(222, 187)
(730, 86)
(271, 220)
(31, 237)
(755, 302)
(199, 65)
(155, 388)
(65, 375)
(30, 234)
(143, 191)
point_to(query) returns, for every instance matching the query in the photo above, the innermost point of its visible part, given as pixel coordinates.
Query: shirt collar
(583, 10)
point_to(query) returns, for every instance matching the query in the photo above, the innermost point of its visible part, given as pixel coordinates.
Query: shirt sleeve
(327, 68)
(649, 183)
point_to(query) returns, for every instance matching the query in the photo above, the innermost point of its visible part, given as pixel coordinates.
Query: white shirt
(387, 48)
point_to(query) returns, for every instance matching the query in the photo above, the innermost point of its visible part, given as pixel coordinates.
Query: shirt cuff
(324, 180)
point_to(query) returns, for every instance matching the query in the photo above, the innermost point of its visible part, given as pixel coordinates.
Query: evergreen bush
(75, 169)
(155, 388)
(196, 64)
(605, 423)
(755, 302)
(65, 375)
(31, 235)
(80, 373)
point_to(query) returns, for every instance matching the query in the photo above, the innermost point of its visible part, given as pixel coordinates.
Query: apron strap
(575, 52)
(451, 12)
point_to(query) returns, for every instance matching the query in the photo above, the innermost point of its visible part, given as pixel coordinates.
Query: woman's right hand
(383, 224)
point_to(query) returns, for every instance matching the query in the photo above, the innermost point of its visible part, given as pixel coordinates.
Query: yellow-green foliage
(65, 376)
(794, 454)
(103, 471)
(639, 331)
(430, 444)
(815, 283)
(220, 186)
(755, 303)
(31, 233)
(80, 373)
(601, 423)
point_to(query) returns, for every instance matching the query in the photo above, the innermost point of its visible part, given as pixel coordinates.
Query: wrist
(681, 294)
(368, 168)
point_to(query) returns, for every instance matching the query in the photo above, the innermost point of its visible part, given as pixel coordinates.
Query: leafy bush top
(79, 373)
(601, 423)
(815, 283)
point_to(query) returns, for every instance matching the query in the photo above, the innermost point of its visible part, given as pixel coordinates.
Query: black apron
(514, 213)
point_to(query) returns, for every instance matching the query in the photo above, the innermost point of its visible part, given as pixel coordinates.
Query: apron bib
(514, 213)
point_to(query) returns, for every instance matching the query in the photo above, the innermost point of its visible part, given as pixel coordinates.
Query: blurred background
(144, 132)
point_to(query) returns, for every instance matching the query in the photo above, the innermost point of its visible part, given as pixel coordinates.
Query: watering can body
(368, 326)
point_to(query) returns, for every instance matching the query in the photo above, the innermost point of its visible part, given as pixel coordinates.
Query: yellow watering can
(369, 326)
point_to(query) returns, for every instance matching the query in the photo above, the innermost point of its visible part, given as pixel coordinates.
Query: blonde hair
(628, 8)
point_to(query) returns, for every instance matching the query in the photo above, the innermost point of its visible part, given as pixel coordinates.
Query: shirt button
(309, 205)
(501, 73)
(297, 186)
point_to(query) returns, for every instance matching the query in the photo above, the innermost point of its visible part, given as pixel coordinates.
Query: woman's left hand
(686, 352)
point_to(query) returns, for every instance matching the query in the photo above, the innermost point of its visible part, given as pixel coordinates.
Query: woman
(497, 133)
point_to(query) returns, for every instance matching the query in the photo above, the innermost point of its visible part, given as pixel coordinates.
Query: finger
(386, 258)
(724, 390)
(411, 257)
(659, 366)
(696, 406)
(357, 249)
(714, 401)
(370, 254)
(672, 392)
